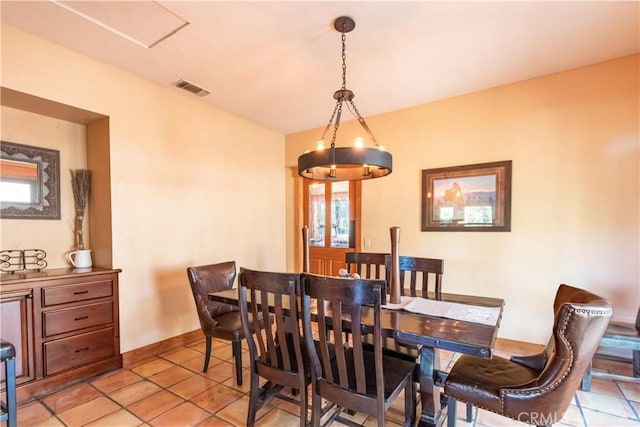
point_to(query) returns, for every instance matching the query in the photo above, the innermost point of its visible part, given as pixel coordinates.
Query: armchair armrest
(534, 361)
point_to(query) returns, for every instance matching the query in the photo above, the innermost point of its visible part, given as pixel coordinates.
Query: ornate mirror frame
(47, 161)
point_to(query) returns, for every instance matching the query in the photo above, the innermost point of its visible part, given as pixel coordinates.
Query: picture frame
(467, 198)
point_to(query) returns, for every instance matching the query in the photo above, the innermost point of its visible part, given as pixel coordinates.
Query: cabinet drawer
(79, 350)
(78, 292)
(72, 319)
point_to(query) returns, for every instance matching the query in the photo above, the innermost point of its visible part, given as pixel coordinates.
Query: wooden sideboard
(64, 324)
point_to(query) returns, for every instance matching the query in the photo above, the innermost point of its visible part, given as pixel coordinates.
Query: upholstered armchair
(217, 319)
(535, 389)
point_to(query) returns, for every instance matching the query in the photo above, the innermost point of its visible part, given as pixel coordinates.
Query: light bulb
(320, 145)
(358, 142)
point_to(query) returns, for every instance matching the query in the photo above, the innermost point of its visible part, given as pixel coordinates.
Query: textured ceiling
(278, 63)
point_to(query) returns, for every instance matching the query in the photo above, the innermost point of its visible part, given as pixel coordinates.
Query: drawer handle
(80, 292)
(82, 349)
(81, 318)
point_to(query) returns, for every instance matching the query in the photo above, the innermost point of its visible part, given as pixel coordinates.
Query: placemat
(449, 310)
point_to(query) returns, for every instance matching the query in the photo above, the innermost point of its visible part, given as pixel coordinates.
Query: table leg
(429, 393)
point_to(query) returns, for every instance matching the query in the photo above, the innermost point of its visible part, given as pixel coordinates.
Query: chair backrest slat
(358, 358)
(343, 375)
(323, 336)
(257, 330)
(271, 342)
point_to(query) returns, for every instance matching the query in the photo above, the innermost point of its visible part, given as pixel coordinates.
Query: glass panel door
(340, 223)
(316, 214)
(332, 212)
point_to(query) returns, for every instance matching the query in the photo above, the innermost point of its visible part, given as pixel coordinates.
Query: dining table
(430, 329)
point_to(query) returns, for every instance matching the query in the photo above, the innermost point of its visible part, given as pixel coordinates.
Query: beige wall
(189, 184)
(70, 139)
(573, 138)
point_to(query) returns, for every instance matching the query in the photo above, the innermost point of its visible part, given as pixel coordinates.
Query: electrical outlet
(367, 242)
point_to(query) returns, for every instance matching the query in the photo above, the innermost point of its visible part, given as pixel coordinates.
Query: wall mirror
(29, 182)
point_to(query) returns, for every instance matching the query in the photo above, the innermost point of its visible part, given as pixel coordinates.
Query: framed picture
(467, 198)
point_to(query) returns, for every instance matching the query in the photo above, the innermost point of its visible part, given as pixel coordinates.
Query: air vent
(197, 90)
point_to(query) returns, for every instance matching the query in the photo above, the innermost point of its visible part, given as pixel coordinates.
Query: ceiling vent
(196, 90)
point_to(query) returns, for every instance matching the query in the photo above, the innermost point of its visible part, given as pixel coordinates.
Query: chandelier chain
(336, 126)
(353, 105)
(362, 122)
(344, 61)
(333, 115)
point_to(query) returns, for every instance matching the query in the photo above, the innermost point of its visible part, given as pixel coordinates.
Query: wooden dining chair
(355, 378)
(368, 265)
(416, 276)
(217, 320)
(419, 277)
(276, 352)
(535, 389)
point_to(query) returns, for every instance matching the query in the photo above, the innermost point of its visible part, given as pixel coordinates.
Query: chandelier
(345, 163)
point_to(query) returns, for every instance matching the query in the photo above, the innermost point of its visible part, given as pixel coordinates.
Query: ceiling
(278, 63)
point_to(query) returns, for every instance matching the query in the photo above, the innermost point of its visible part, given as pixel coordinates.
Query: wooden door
(331, 210)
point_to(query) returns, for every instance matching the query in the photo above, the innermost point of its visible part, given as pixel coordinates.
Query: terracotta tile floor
(170, 390)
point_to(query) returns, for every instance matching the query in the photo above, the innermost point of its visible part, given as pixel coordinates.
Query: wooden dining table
(430, 334)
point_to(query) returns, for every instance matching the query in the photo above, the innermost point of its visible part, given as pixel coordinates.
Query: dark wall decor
(12, 260)
(467, 198)
(30, 182)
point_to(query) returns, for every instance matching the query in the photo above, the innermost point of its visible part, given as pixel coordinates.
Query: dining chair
(535, 389)
(276, 352)
(8, 407)
(622, 336)
(368, 265)
(416, 274)
(355, 378)
(217, 320)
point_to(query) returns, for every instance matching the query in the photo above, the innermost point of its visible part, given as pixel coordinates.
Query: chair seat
(623, 332)
(479, 380)
(229, 326)
(7, 350)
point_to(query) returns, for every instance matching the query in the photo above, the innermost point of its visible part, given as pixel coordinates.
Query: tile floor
(170, 390)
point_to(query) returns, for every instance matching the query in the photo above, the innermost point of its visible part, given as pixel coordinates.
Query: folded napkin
(449, 310)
